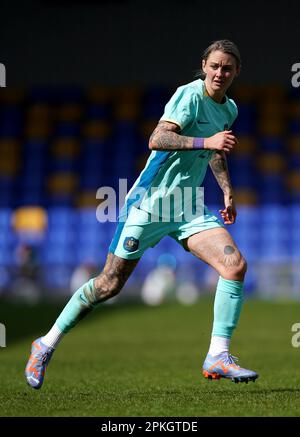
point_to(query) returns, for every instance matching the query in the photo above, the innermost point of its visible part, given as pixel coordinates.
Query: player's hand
(224, 141)
(229, 213)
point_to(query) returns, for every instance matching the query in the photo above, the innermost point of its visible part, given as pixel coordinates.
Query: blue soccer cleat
(37, 363)
(224, 366)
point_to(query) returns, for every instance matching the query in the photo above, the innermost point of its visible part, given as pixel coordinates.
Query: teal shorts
(138, 232)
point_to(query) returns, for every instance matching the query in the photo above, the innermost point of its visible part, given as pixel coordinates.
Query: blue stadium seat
(10, 121)
(91, 181)
(6, 197)
(33, 176)
(294, 161)
(90, 236)
(154, 101)
(98, 111)
(91, 253)
(7, 238)
(57, 276)
(241, 171)
(275, 232)
(5, 218)
(87, 218)
(60, 200)
(272, 144)
(31, 197)
(34, 167)
(54, 253)
(60, 236)
(212, 193)
(67, 129)
(274, 213)
(294, 126)
(295, 249)
(63, 94)
(61, 216)
(248, 215)
(63, 164)
(6, 257)
(274, 250)
(272, 189)
(246, 121)
(35, 146)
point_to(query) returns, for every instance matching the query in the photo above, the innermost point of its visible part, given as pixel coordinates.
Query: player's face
(220, 69)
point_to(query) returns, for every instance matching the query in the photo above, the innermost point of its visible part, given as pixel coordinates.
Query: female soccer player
(193, 132)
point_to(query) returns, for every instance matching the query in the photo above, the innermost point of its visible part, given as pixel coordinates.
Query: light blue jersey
(166, 173)
(197, 115)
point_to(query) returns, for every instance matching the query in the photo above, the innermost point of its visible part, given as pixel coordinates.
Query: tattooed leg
(217, 248)
(113, 277)
(96, 290)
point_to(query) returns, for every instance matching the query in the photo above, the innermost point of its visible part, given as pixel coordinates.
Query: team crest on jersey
(131, 244)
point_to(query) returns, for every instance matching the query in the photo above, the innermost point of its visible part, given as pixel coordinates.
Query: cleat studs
(210, 376)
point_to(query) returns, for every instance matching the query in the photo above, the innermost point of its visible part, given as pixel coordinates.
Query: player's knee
(240, 269)
(243, 266)
(235, 271)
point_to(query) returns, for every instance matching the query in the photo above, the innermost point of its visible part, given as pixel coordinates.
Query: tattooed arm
(166, 136)
(218, 164)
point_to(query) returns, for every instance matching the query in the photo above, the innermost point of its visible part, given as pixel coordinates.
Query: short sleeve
(181, 107)
(233, 111)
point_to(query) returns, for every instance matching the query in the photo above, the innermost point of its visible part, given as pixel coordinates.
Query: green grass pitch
(133, 360)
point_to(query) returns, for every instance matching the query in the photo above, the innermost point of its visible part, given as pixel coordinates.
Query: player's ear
(203, 65)
(238, 70)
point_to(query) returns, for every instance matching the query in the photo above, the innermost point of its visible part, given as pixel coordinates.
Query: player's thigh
(138, 233)
(217, 248)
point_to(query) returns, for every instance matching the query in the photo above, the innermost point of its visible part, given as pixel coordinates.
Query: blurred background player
(193, 132)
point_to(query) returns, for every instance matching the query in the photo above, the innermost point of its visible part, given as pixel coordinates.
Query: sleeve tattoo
(218, 165)
(166, 137)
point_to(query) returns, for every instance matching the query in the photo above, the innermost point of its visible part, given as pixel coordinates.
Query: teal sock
(81, 303)
(227, 307)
